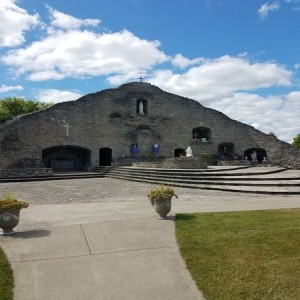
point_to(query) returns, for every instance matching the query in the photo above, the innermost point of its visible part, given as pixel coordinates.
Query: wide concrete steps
(263, 180)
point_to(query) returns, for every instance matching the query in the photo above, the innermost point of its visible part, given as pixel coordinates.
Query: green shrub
(143, 126)
(116, 115)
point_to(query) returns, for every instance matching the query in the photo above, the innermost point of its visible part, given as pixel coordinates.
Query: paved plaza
(101, 239)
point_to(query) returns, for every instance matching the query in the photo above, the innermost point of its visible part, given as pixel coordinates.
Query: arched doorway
(226, 150)
(66, 158)
(178, 152)
(105, 157)
(258, 154)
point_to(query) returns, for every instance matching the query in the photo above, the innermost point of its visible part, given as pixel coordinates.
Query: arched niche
(178, 152)
(255, 154)
(66, 158)
(141, 106)
(202, 134)
(226, 150)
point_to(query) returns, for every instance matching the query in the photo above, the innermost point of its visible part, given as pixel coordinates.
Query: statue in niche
(141, 108)
(134, 149)
(254, 156)
(189, 152)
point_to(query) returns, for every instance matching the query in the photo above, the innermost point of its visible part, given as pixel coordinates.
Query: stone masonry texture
(103, 127)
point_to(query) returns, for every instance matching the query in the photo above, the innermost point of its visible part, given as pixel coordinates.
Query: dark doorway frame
(105, 156)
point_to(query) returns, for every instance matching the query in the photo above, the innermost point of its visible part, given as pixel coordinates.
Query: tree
(296, 141)
(11, 107)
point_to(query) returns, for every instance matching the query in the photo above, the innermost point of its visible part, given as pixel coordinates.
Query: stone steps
(56, 176)
(250, 180)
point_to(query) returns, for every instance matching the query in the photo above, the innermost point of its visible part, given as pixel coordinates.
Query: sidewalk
(126, 259)
(111, 248)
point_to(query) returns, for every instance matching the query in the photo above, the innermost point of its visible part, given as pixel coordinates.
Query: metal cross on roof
(141, 78)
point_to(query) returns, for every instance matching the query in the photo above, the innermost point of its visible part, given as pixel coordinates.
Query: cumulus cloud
(226, 83)
(182, 62)
(68, 51)
(7, 88)
(264, 10)
(15, 21)
(278, 114)
(221, 77)
(64, 21)
(76, 53)
(56, 96)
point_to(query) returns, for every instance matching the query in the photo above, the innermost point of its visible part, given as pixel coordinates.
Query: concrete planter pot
(163, 207)
(9, 219)
(160, 198)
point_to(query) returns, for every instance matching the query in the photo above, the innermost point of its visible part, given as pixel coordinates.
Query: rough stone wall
(175, 163)
(109, 119)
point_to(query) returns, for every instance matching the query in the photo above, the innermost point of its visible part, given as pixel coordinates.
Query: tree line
(11, 107)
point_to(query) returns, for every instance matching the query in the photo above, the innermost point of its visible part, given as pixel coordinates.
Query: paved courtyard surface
(101, 239)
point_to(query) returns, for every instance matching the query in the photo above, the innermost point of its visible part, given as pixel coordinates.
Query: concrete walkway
(100, 239)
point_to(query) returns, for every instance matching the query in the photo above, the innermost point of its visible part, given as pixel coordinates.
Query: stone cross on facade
(141, 78)
(67, 126)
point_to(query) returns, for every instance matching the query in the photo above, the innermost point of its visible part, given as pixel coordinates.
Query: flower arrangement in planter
(10, 213)
(160, 198)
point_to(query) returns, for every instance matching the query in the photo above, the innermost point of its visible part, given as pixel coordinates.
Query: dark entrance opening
(179, 152)
(66, 158)
(226, 150)
(202, 134)
(258, 154)
(105, 157)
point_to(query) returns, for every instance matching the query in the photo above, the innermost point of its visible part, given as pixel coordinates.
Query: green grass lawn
(243, 255)
(6, 278)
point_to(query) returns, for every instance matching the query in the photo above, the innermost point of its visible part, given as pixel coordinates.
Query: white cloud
(264, 10)
(182, 62)
(56, 96)
(7, 88)
(279, 114)
(125, 77)
(14, 22)
(79, 54)
(221, 77)
(225, 84)
(64, 21)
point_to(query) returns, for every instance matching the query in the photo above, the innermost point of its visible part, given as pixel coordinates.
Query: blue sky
(239, 57)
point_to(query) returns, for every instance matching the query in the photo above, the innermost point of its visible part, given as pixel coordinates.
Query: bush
(115, 115)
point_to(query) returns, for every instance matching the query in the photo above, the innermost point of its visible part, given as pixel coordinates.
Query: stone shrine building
(134, 122)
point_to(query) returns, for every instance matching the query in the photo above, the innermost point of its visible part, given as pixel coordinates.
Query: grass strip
(6, 278)
(243, 255)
